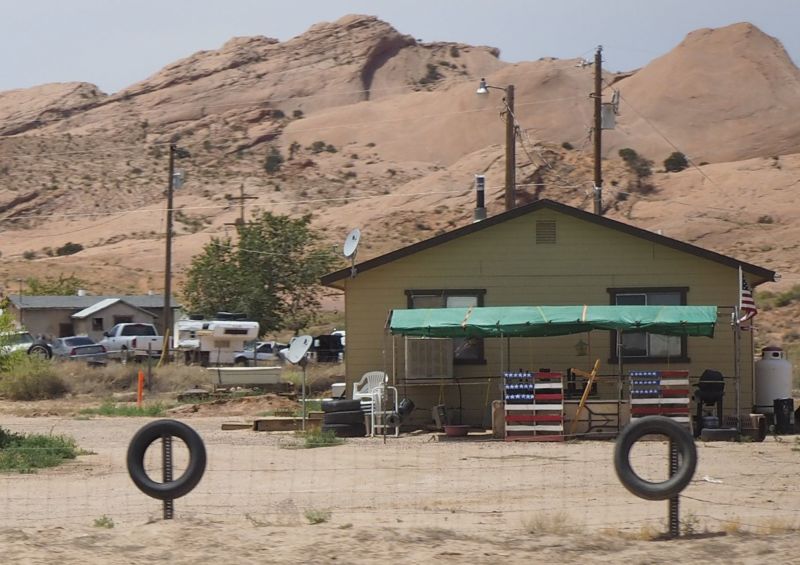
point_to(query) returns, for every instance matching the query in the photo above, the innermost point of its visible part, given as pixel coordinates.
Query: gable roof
(105, 303)
(75, 302)
(545, 204)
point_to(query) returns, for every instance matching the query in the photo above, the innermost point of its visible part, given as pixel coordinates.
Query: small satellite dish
(350, 249)
(351, 243)
(297, 348)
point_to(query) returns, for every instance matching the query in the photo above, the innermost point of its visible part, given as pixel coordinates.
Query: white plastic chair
(369, 383)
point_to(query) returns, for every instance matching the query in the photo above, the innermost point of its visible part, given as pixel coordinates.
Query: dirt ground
(418, 498)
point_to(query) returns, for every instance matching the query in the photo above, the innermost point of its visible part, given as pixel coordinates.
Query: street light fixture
(508, 100)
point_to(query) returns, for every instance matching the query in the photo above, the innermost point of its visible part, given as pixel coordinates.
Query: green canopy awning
(541, 321)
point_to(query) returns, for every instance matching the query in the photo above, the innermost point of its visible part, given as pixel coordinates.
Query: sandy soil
(414, 499)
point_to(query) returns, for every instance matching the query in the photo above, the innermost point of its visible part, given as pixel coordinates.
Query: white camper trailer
(213, 342)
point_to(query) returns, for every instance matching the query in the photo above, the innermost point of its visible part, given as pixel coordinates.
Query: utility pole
(511, 145)
(242, 197)
(598, 130)
(167, 315)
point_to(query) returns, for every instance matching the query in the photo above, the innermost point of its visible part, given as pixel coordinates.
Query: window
(97, 324)
(466, 351)
(643, 346)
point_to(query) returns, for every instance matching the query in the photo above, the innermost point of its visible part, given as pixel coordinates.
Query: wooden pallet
(534, 406)
(660, 393)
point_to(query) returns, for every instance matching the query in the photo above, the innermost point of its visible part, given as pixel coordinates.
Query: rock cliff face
(721, 95)
(31, 108)
(365, 126)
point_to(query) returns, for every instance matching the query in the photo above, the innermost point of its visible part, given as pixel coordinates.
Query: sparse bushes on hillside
(676, 162)
(432, 75)
(29, 255)
(274, 161)
(320, 146)
(69, 248)
(641, 167)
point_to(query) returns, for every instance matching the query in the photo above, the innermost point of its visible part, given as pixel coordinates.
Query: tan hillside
(384, 132)
(721, 95)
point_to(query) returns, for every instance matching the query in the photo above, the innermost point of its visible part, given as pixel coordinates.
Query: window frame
(445, 293)
(682, 291)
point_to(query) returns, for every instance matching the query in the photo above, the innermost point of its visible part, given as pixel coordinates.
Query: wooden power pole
(598, 131)
(511, 146)
(167, 314)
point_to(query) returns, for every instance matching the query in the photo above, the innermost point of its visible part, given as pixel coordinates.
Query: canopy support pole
(737, 366)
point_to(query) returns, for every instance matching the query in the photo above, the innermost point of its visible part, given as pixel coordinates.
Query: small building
(61, 316)
(543, 253)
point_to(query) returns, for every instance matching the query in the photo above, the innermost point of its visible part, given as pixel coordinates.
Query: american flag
(747, 306)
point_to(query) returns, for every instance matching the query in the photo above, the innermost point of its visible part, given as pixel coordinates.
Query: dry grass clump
(116, 377)
(557, 523)
(31, 378)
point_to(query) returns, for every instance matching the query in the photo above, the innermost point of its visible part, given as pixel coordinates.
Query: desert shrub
(30, 378)
(69, 248)
(317, 438)
(317, 516)
(297, 114)
(767, 219)
(676, 162)
(330, 148)
(274, 161)
(278, 114)
(454, 52)
(29, 255)
(567, 145)
(25, 453)
(317, 147)
(639, 165)
(432, 75)
(110, 408)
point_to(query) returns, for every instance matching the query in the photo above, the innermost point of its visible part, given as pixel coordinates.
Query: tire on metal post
(190, 477)
(345, 405)
(678, 435)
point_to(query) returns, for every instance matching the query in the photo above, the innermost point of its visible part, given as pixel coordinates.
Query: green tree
(271, 274)
(55, 286)
(676, 162)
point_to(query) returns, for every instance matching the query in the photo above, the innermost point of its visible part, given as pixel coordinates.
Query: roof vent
(545, 231)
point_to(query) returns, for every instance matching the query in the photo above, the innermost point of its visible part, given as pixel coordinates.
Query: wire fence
(423, 479)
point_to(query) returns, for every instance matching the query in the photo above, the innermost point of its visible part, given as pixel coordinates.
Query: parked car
(79, 348)
(260, 351)
(23, 341)
(328, 348)
(132, 341)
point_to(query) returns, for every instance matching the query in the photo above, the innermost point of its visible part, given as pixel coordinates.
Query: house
(60, 316)
(543, 253)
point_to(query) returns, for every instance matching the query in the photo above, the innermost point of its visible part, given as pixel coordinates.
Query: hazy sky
(114, 43)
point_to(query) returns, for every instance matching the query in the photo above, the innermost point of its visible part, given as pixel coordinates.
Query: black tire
(345, 430)
(190, 477)
(241, 362)
(41, 350)
(348, 417)
(341, 405)
(682, 440)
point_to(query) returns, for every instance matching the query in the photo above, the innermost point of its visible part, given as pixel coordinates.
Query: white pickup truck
(132, 341)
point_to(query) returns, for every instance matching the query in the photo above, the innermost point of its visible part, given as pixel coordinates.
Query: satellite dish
(350, 249)
(351, 243)
(297, 348)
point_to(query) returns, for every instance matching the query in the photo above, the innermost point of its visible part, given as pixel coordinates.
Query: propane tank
(773, 379)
